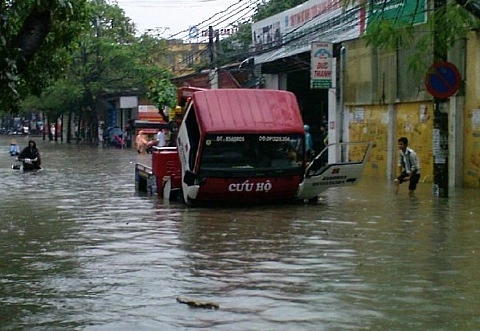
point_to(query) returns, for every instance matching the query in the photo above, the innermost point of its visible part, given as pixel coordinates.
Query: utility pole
(440, 113)
(211, 51)
(213, 75)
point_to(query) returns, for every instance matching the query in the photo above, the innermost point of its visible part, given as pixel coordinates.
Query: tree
(32, 32)
(108, 60)
(400, 32)
(63, 97)
(471, 6)
(163, 94)
(234, 48)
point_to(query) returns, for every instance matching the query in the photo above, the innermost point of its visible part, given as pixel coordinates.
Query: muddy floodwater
(81, 250)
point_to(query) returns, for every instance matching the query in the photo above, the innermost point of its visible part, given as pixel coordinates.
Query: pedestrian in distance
(409, 166)
(308, 143)
(141, 142)
(323, 136)
(14, 150)
(161, 138)
(323, 144)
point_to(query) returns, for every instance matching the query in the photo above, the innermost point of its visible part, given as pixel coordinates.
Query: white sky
(173, 18)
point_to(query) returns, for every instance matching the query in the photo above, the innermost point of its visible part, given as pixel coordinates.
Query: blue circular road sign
(442, 79)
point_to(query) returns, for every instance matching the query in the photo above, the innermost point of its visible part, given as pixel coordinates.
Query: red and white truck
(247, 146)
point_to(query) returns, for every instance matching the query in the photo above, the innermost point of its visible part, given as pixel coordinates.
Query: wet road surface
(81, 250)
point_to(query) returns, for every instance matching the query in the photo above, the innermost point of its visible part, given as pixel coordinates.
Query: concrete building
(183, 58)
(372, 95)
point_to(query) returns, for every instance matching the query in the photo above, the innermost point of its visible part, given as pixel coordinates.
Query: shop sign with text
(321, 65)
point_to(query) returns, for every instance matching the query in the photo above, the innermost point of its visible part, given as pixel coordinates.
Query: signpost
(442, 81)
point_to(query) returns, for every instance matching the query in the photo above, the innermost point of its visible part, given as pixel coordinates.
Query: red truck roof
(247, 111)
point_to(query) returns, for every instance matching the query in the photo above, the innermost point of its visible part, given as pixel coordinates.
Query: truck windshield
(254, 154)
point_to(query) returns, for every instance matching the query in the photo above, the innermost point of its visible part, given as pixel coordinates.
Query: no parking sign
(442, 79)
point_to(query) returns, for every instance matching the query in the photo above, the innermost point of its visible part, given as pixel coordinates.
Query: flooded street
(81, 250)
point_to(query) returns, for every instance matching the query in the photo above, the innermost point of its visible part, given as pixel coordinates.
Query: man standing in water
(409, 166)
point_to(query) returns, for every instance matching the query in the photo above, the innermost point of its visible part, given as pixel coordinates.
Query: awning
(280, 53)
(150, 125)
(289, 64)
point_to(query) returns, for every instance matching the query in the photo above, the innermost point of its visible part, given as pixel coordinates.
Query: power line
(240, 13)
(235, 12)
(173, 3)
(318, 30)
(213, 20)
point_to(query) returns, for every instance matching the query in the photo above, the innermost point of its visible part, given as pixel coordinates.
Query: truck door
(347, 171)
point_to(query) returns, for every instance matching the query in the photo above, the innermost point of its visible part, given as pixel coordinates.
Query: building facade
(374, 95)
(184, 57)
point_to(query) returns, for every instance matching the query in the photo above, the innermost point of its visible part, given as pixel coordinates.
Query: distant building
(183, 58)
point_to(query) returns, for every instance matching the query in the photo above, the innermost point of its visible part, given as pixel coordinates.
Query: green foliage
(452, 22)
(60, 98)
(151, 50)
(389, 35)
(162, 93)
(105, 60)
(111, 59)
(234, 48)
(46, 63)
(443, 28)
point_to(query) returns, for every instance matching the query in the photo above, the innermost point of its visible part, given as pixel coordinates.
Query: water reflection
(284, 258)
(79, 249)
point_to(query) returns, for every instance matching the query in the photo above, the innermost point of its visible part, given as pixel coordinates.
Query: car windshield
(248, 153)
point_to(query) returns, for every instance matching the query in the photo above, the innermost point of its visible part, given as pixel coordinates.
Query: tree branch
(31, 36)
(470, 5)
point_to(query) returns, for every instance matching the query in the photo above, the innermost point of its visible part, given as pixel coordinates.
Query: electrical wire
(235, 12)
(306, 38)
(314, 34)
(231, 11)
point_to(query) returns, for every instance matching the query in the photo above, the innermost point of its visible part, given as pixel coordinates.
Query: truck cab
(241, 145)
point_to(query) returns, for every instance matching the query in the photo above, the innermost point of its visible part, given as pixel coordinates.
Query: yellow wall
(373, 128)
(179, 51)
(370, 79)
(471, 160)
(413, 120)
(358, 72)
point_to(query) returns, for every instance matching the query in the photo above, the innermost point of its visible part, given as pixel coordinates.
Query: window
(188, 59)
(255, 154)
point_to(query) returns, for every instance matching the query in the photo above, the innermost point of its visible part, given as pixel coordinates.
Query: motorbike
(25, 164)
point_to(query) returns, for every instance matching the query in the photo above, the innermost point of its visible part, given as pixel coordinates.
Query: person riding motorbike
(30, 156)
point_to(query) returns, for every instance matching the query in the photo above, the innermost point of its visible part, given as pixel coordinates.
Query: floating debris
(198, 303)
